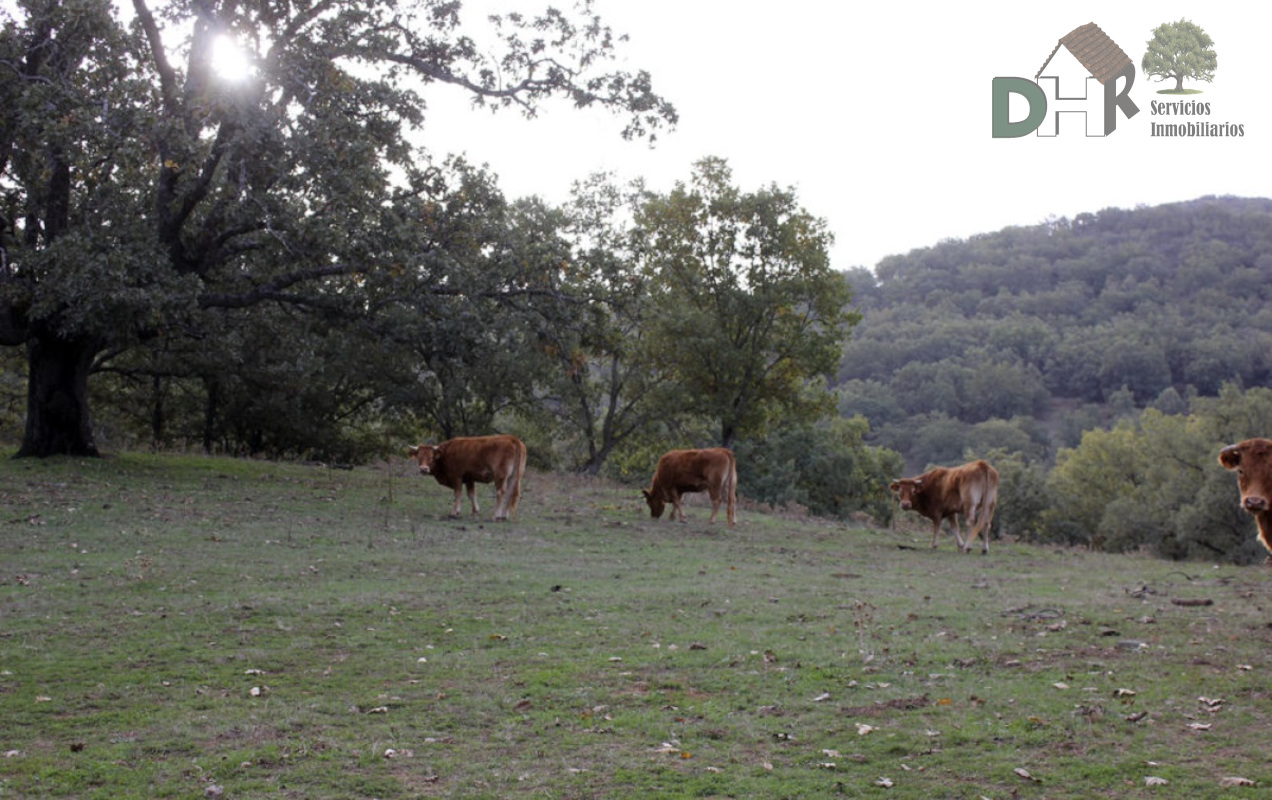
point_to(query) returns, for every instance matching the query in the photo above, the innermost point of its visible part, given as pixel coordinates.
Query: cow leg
(982, 526)
(472, 498)
(459, 490)
(936, 531)
(501, 501)
(715, 505)
(676, 508)
(956, 525)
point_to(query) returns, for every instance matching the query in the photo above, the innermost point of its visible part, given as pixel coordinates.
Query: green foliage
(602, 388)
(1073, 322)
(1155, 483)
(827, 469)
(144, 191)
(747, 313)
(1023, 497)
(1180, 50)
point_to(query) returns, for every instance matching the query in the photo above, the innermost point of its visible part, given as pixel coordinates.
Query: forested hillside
(1024, 338)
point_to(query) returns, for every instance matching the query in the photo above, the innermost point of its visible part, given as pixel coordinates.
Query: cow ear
(918, 483)
(1230, 457)
(894, 486)
(410, 451)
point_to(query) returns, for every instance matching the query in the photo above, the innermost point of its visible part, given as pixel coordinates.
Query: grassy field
(189, 627)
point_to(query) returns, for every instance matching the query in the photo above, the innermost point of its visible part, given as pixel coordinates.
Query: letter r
(1113, 99)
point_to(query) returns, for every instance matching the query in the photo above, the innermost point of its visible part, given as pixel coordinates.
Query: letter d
(1004, 88)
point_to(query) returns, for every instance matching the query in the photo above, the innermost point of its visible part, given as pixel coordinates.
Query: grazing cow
(713, 470)
(464, 461)
(1252, 459)
(969, 491)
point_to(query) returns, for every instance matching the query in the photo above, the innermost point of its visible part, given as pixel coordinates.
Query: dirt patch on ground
(887, 707)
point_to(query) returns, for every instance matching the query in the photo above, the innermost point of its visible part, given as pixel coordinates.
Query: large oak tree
(140, 188)
(749, 319)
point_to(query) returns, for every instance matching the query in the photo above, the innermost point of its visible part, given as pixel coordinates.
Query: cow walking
(969, 492)
(1252, 460)
(464, 461)
(714, 470)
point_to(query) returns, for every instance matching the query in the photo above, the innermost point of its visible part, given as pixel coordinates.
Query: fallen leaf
(884, 782)
(379, 710)
(1211, 704)
(1199, 726)
(1060, 685)
(831, 754)
(863, 728)
(1024, 773)
(1235, 781)
(1155, 781)
(821, 697)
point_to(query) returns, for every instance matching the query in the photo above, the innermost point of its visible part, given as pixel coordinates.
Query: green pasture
(192, 627)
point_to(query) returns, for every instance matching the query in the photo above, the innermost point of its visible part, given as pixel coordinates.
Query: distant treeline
(1024, 338)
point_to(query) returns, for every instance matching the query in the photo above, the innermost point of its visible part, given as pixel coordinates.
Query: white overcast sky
(878, 114)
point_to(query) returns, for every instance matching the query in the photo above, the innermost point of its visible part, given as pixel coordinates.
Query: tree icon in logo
(1180, 50)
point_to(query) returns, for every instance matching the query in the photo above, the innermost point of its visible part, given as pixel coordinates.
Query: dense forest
(1026, 337)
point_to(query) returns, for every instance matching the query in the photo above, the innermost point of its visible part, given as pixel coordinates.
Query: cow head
(656, 503)
(1252, 460)
(425, 456)
(905, 490)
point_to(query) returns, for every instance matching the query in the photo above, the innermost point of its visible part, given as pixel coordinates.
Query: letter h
(1091, 104)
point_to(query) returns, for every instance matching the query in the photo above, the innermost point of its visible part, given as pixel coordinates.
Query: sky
(879, 115)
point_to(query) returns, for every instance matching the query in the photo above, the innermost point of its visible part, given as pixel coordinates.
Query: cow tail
(731, 487)
(518, 470)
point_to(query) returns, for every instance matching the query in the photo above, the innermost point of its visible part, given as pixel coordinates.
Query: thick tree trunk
(58, 421)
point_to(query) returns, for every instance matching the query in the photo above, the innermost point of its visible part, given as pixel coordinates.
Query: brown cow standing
(1252, 459)
(969, 491)
(713, 470)
(464, 461)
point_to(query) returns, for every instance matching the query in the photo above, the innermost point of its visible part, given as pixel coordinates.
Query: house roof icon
(1094, 50)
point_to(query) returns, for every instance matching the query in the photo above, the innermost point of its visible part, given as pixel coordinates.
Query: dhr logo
(1090, 58)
